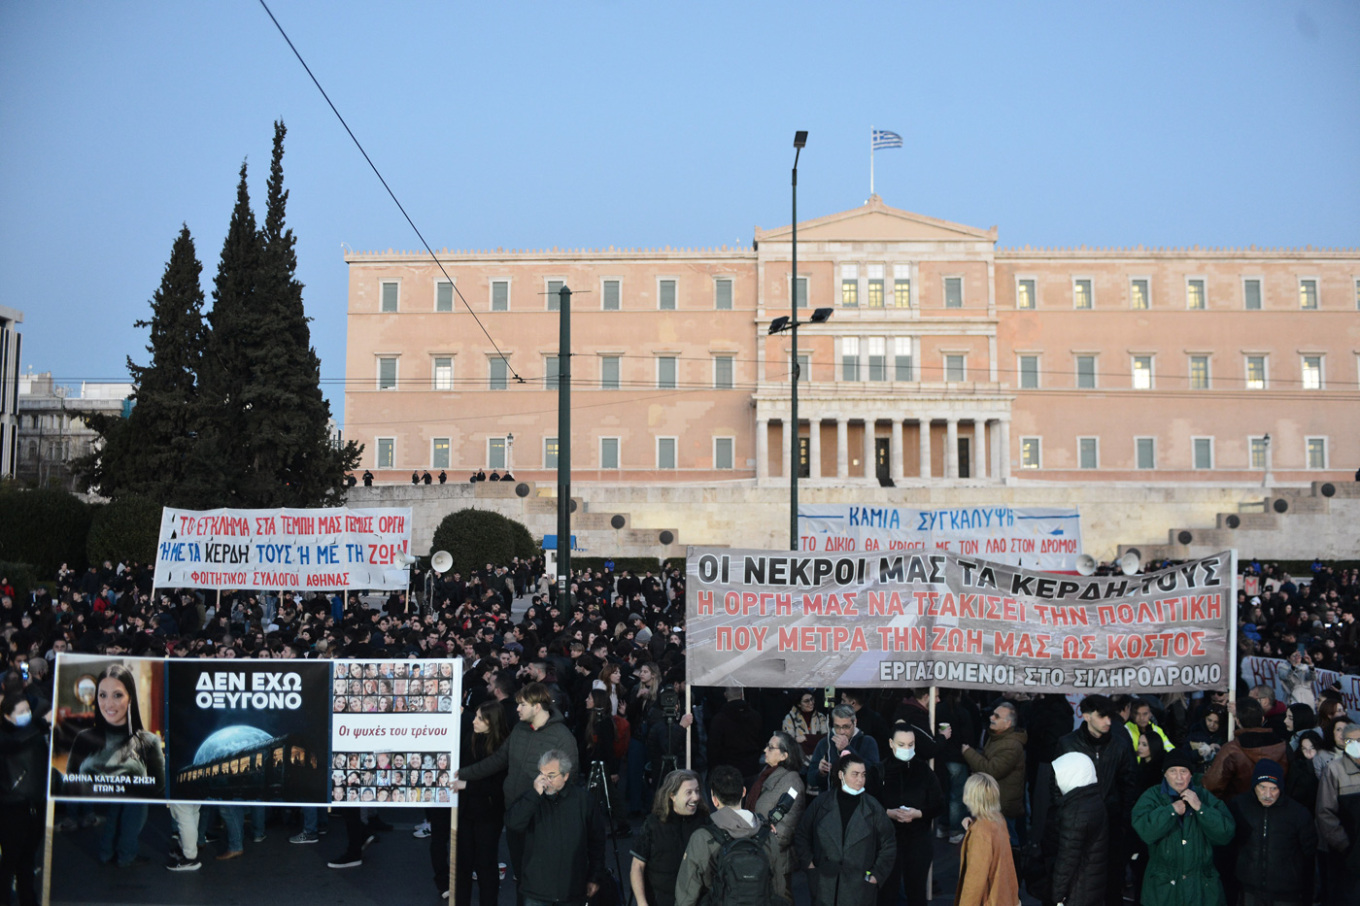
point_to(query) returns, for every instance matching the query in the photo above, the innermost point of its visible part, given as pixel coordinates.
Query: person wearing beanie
(1230, 774)
(1275, 841)
(1076, 848)
(1181, 822)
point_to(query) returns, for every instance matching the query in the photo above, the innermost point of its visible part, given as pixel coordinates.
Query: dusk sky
(532, 125)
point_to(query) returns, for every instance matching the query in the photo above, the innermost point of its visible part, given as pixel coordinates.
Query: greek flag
(885, 139)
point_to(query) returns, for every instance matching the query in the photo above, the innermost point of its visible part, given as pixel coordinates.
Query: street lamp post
(799, 141)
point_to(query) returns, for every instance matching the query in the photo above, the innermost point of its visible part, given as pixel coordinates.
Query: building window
(902, 370)
(1317, 452)
(443, 373)
(849, 358)
(665, 372)
(665, 295)
(802, 292)
(549, 452)
(954, 370)
(1086, 372)
(554, 292)
(1256, 372)
(722, 294)
(902, 292)
(1142, 372)
(1139, 296)
(495, 452)
(552, 372)
(387, 372)
(953, 292)
(1204, 452)
(1025, 296)
(1194, 295)
(439, 453)
(1251, 294)
(1308, 295)
(609, 372)
(1258, 446)
(1030, 453)
(1312, 372)
(1082, 294)
(443, 296)
(665, 452)
(1088, 453)
(386, 452)
(722, 372)
(878, 359)
(391, 290)
(498, 370)
(609, 452)
(722, 452)
(609, 295)
(1357, 293)
(1145, 449)
(1029, 372)
(500, 295)
(804, 367)
(849, 285)
(1199, 372)
(876, 293)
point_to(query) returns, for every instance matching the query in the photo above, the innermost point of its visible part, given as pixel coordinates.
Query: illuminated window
(1308, 295)
(1142, 372)
(443, 373)
(1199, 372)
(1194, 295)
(1029, 453)
(1258, 452)
(549, 452)
(1025, 294)
(439, 453)
(1139, 297)
(1082, 294)
(1256, 372)
(1312, 372)
(876, 293)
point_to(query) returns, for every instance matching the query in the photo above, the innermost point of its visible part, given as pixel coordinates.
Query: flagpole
(871, 161)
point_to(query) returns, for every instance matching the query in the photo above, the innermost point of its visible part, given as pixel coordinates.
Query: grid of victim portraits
(392, 687)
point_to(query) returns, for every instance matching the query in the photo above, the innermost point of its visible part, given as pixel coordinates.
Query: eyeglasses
(553, 776)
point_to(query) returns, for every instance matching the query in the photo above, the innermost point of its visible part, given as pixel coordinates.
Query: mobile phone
(23, 670)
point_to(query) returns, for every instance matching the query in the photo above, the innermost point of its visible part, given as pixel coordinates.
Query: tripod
(598, 784)
(668, 758)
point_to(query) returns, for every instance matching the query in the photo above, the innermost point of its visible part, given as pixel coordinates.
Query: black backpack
(742, 875)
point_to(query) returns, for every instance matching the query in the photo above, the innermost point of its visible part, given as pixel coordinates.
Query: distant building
(9, 389)
(52, 425)
(948, 361)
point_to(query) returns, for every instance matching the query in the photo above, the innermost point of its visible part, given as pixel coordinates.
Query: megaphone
(1130, 562)
(407, 559)
(441, 561)
(1086, 565)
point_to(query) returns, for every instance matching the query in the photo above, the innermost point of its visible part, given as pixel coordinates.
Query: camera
(670, 704)
(781, 808)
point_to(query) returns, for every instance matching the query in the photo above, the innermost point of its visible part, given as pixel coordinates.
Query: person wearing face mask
(1338, 817)
(845, 841)
(911, 793)
(1181, 822)
(23, 791)
(783, 767)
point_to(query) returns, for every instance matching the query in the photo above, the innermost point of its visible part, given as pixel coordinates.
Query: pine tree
(148, 453)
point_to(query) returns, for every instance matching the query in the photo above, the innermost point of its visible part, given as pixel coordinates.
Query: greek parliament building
(1167, 387)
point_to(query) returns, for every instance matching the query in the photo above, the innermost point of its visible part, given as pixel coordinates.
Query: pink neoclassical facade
(947, 360)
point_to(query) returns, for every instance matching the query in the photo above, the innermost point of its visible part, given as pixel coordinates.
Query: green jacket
(1180, 869)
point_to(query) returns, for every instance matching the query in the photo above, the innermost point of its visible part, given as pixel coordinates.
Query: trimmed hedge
(477, 537)
(125, 530)
(44, 528)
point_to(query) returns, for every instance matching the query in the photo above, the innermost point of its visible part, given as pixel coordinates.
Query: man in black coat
(563, 833)
(736, 737)
(1275, 842)
(911, 793)
(845, 841)
(1116, 772)
(1078, 840)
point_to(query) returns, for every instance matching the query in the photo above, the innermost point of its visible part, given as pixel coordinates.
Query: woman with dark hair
(913, 799)
(1208, 735)
(805, 723)
(484, 801)
(117, 746)
(677, 812)
(783, 769)
(1301, 783)
(1299, 719)
(23, 791)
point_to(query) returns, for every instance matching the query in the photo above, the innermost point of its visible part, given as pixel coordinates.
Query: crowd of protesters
(576, 725)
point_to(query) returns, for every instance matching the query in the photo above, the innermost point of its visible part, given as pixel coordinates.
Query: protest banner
(1046, 538)
(255, 732)
(394, 732)
(331, 548)
(782, 619)
(1269, 671)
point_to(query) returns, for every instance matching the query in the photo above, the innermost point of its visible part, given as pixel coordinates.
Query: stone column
(762, 449)
(951, 448)
(1003, 443)
(842, 448)
(895, 451)
(814, 448)
(785, 452)
(980, 447)
(925, 446)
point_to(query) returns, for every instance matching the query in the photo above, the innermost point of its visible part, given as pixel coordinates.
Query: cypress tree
(148, 453)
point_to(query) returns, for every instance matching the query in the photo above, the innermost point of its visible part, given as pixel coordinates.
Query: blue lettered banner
(330, 548)
(1046, 538)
